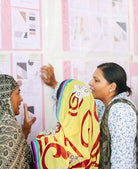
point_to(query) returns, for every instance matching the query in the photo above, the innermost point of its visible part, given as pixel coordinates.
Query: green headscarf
(15, 152)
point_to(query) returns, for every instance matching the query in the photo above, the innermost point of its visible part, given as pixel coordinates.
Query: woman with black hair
(118, 141)
(119, 128)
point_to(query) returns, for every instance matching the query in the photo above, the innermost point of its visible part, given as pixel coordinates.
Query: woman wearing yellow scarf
(75, 143)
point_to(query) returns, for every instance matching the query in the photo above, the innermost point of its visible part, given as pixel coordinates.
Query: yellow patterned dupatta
(75, 143)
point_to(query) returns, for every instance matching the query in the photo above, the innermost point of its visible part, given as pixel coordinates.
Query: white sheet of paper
(25, 29)
(5, 64)
(33, 4)
(26, 71)
(95, 25)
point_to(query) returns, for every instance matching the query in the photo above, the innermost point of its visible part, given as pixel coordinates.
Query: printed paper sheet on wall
(25, 29)
(135, 7)
(95, 25)
(26, 71)
(20, 25)
(83, 70)
(0, 24)
(79, 70)
(134, 81)
(5, 64)
(33, 4)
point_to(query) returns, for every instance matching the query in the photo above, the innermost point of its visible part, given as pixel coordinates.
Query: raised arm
(26, 127)
(48, 76)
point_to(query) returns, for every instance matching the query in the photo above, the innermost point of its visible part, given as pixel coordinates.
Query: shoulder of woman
(121, 111)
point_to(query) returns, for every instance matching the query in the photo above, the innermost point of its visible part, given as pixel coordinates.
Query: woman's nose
(21, 98)
(91, 82)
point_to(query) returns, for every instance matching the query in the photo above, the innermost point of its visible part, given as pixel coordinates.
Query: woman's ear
(112, 87)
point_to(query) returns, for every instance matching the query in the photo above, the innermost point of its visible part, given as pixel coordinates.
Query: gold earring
(110, 90)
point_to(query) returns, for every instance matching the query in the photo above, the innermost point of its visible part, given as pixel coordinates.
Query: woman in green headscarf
(15, 152)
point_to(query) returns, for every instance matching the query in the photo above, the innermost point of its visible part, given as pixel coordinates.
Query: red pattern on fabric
(71, 101)
(95, 154)
(39, 136)
(84, 118)
(97, 142)
(40, 147)
(55, 139)
(60, 152)
(73, 114)
(92, 164)
(81, 102)
(73, 147)
(95, 147)
(95, 113)
(46, 140)
(81, 164)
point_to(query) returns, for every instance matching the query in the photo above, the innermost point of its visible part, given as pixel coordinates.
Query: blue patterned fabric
(122, 126)
(54, 94)
(100, 108)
